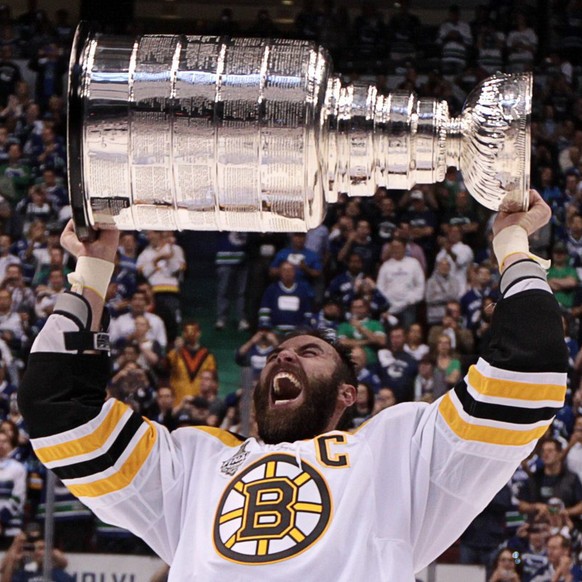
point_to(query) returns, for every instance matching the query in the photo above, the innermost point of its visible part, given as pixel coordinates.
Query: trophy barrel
(197, 133)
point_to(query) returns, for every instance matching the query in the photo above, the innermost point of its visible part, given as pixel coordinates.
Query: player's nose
(286, 355)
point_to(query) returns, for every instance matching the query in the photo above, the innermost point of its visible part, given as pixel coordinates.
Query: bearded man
(304, 500)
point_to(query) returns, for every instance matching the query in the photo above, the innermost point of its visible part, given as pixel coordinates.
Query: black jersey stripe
(107, 459)
(501, 412)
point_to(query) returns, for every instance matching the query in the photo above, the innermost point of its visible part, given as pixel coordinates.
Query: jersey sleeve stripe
(77, 445)
(503, 413)
(501, 400)
(486, 432)
(97, 464)
(491, 381)
(126, 473)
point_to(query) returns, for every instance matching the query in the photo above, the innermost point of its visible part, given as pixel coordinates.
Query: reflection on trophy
(208, 133)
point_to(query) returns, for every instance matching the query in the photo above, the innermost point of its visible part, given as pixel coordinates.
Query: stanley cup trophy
(210, 133)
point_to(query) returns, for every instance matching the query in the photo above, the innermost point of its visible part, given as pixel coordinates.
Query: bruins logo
(272, 511)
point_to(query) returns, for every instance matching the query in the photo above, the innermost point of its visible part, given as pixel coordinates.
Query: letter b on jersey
(272, 511)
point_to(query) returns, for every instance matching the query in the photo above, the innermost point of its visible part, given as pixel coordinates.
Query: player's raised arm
(103, 451)
(477, 433)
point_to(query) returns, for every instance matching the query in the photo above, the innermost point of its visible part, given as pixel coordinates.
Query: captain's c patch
(272, 511)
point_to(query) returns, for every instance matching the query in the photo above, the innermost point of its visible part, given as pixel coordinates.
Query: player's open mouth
(286, 387)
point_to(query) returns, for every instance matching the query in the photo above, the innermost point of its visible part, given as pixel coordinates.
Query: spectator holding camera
(24, 561)
(505, 569)
(253, 353)
(553, 481)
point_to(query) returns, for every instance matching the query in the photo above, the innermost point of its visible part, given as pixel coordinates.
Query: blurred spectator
(49, 65)
(459, 255)
(23, 298)
(329, 316)
(231, 272)
(560, 564)
(455, 40)
(441, 288)
(486, 532)
(368, 36)
(421, 221)
(209, 391)
(287, 303)
(362, 331)
(364, 406)
(446, 361)
(490, 45)
(366, 372)
(553, 481)
(163, 409)
(522, 44)
(9, 74)
(453, 326)
(480, 286)
(6, 257)
(124, 325)
(504, 568)
(162, 263)
(530, 543)
(415, 345)
(132, 385)
(150, 352)
(126, 275)
(384, 398)
(48, 151)
(253, 353)
(18, 174)
(47, 295)
(360, 242)
(12, 493)
(573, 452)
(24, 561)
(187, 361)
(429, 384)
(307, 263)
(404, 30)
(398, 367)
(56, 261)
(401, 281)
(385, 219)
(562, 278)
(10, 324)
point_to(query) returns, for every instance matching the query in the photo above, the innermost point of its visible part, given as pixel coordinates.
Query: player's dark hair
(347, 371)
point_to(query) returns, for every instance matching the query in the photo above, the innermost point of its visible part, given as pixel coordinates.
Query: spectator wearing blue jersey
(480, 286)
(287, 303)
(306, 262)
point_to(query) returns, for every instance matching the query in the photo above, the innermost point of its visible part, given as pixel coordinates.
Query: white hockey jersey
(377, 504)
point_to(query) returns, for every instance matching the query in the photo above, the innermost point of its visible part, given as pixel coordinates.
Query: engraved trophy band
(175, 132)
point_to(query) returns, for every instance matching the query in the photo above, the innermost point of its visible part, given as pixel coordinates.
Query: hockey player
(304, 501)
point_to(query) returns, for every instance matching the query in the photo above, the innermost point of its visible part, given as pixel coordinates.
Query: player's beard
(305, 422)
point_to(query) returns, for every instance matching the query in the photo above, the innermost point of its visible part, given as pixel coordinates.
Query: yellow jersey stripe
(514, 389)
(485, 434)
(126, 473)
(87, 443)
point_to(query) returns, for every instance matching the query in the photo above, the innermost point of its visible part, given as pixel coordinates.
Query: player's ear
(347, 394)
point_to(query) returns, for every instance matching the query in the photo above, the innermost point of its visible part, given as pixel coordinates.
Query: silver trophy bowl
(174, 132)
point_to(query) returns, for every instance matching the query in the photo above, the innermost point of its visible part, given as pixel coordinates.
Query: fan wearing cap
(303, 498)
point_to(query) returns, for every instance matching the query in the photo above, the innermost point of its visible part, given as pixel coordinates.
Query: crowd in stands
(407, 279)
